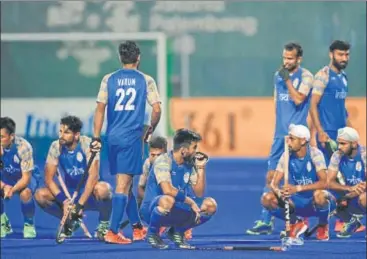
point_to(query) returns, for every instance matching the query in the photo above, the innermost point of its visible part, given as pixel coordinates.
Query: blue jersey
(333, 89)
(287, 112)
(126, 92)
(71, 162)
(304, 171)
(18, 159)
(166, 169)
(352, 170)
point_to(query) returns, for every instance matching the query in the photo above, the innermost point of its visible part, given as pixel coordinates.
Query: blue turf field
(236, 184)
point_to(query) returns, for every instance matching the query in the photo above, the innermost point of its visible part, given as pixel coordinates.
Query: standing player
(16, 177)
(71, 154)
(328, 111)
(125, 93)
(306, 188)
(292, 85)
(166, 202)
(350, 161)
(330, 88)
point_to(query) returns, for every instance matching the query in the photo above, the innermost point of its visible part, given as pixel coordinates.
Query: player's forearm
(98, 122)
(315, 118)
(296, 96)
(156, 116)
(92, 180)
(52, 186)
(333, 185)
(2, 185)
(22, 183)
(199, 187)
(141, 192)
(319, 185)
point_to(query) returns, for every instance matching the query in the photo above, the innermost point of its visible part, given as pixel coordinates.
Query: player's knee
(209, 206)
(41, 197)
(269, 201)
(320, 198)
(123, 183)
(25, 195)
(166, 202)
(103, 191)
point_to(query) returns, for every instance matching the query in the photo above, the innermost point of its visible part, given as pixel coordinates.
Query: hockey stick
(286, 198)
(63, 186)
(66, 216)
(239, 248)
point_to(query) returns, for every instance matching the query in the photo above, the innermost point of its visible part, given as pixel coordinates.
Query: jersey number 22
(129, 93)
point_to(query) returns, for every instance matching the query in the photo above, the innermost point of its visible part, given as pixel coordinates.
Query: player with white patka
(306, 188)
(347, 179)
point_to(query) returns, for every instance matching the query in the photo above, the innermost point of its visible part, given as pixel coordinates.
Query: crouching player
(166, 202)
(347, 179)
(17, 177)
(306, 188)
(71, 153)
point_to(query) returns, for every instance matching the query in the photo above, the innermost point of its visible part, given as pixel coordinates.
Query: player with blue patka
(167, 202)
(292, 87)
(69, 155)
(347, 179)
(125, 93)
(18, 176)
(306, 188)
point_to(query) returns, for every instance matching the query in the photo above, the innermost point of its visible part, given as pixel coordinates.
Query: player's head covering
(299, 131)
(348, 134)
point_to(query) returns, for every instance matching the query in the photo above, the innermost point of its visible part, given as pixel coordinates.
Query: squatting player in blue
(166, 202)
(306, 188)
(348, 165)
(292, 86)
(125, 92)
(17, 177)
(70, 155)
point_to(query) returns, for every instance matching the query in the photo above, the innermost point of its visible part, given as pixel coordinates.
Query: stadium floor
(236, 184)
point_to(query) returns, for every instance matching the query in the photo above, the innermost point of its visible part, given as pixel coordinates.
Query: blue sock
(2, 206)
(266, 216)
(132, 210)
(279, 213)
(28, 209)
(53, 209)
(105, 209)
(323, 213)
(118, 208)
(155, 220)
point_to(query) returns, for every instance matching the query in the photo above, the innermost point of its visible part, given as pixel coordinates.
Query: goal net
(47, 75)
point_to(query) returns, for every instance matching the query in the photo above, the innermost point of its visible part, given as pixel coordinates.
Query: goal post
(161, 53)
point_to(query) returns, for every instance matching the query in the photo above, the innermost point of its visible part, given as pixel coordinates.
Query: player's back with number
(126, 101)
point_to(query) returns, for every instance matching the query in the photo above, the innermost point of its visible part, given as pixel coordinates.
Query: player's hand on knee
(201, 159)
(359, 188)
(8, 191)
(197, 211)
(95, 145)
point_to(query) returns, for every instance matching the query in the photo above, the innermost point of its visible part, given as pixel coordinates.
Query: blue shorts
(277, 149)
(181, 215)
(304, 206)
(126, 159)
(333, 135)
(353, 205)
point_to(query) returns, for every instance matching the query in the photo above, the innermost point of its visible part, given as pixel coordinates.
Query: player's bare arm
(143, 181)
(319, 85)
(99, 112)
(153, 100)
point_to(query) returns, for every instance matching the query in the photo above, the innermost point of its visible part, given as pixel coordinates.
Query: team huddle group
(326, 164)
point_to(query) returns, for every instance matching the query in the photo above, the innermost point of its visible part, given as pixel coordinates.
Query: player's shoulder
(22, 143)
(162, 159)
(323, 72)
(316, 153)
(146, 163)
(85, 140)
(363, 150)
(306, 72)
(106, 77)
